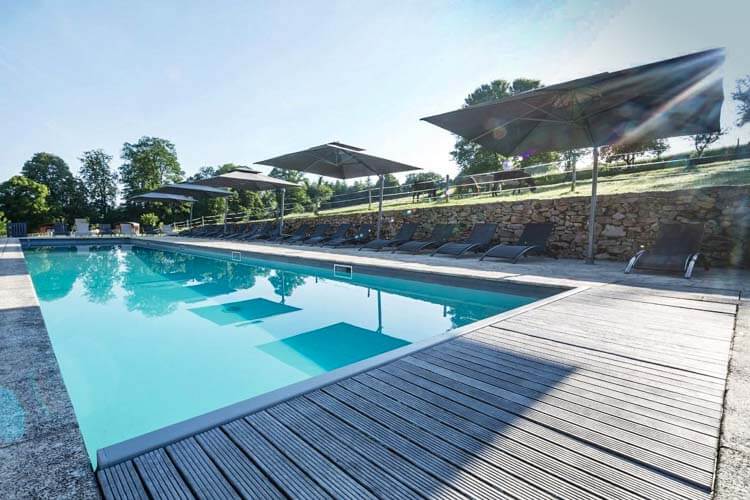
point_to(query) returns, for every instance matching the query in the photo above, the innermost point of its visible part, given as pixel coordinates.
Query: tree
(423, 177)
(473, 158)
(53, 172)
(148, 164)
(702, 141)
(24, 200)
(630, 152)
(319, 192)
(570, 159)
(741, 94)
(295, 199)
(99, 180)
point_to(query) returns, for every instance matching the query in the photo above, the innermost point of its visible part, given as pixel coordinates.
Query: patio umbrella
(195, 190)
(252, 180)
(165, 198)
(675, 97)
(340, 161)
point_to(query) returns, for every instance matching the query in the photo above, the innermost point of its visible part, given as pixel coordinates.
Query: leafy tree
(630, 152)
(423, 177)
(702, 141)
(53, 172)
(473, 158)
(78, 204)
(100, 181)
(24, 200)
(149, 219)
(148, 164)
(319, 192)
(741, 94)
(295, 199)
(3, 224)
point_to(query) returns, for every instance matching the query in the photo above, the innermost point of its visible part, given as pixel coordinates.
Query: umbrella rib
(489, 131)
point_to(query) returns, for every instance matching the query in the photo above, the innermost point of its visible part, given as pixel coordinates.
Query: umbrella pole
(190, 221)
(281, 221)
(592, 213)
(380, 207)
(226, 210)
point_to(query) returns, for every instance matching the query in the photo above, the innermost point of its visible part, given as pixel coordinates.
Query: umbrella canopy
(163, 197)
(675, 97)
(340, 161)
(252, 180)
(195, 190)
(246, 178)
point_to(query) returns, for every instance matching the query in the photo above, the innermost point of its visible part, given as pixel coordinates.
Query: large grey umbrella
(165, 198)
(252, 180)
(340, 161)
(196, 190)
(675, 97)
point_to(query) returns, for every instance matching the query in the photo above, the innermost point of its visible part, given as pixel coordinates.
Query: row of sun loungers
(676, 248)
(533, 240)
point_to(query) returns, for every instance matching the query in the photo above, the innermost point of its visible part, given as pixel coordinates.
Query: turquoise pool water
(146, 338)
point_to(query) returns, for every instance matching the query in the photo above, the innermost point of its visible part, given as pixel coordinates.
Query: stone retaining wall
(625, 221)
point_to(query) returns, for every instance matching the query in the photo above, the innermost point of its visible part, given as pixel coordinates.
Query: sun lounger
(440, 234)
(339, 233)
(298, 234)
(272, 233)
(480, 237)
(406, 233)
(677, 248)
(105, 229)
(264, 231)
(60, 229)
(82, 227)
(533, 240)
(320, 230)
(363, 234)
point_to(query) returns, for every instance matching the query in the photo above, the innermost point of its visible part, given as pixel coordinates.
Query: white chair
(82, 227)
(127, 229)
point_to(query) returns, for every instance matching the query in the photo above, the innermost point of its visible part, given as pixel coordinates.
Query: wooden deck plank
(622, 410)
(161, 477)
(701, 474)
(436, 464)
(367, 473)
(122, 482)
(614, 363)
(602, 424)
(274, 464)
(308, 459)
(540, 482)
(569, 482)
(237, 467)
(203, 477)
(400, 468)
(690, 415)
(449, 390)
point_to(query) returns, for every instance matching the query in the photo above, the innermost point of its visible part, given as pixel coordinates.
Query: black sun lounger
(440, 234)
(479, 239)
(533, 240)
(363, 234)
(245, 230)
(270, 232)
(261, 230)
(677, 249)
(318, 231)
(298, 234)
(339, 233)
(406, 233)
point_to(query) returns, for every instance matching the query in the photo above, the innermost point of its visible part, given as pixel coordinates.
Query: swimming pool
(149, 337)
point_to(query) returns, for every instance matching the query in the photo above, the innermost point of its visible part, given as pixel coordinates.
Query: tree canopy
(630, 152)
(148, 164)
(24, 200)
(99, 182)
(52, 171)
(741, 94)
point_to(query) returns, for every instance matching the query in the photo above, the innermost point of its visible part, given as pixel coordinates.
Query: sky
(242, 81)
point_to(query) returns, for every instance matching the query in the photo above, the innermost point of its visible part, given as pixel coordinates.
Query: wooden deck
(614, 392)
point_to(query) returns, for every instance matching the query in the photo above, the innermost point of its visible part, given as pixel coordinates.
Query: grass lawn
(731, 173)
